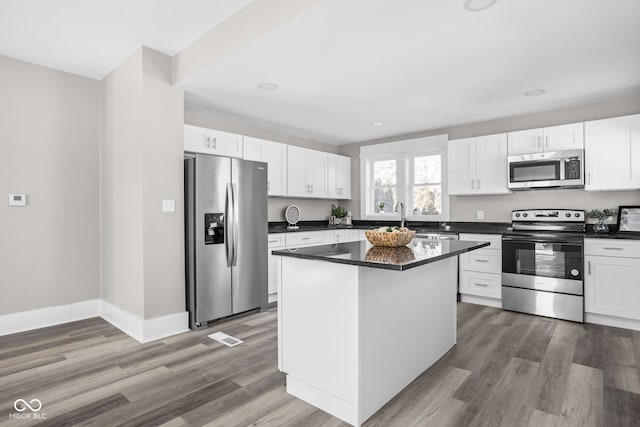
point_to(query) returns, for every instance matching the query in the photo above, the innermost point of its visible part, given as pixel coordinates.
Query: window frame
(404, 152)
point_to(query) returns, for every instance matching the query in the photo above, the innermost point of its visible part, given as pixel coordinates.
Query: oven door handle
(524, 239)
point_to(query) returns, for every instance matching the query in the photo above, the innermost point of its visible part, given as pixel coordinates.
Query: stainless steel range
(542, 262)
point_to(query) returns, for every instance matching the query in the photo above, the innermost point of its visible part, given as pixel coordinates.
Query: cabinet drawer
(485, 260)
(494, 239)
(276, 240)
(308, 238)
(612, 247)
(481, 284)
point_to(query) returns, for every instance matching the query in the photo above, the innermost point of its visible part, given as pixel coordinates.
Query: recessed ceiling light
(478, 5)
(268, 86)
(535, 92)
(375, 124)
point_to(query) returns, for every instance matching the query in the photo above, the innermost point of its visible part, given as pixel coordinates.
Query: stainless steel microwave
(559, 169)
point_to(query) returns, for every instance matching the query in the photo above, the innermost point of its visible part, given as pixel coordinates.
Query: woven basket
(383, 238)
(399, 255)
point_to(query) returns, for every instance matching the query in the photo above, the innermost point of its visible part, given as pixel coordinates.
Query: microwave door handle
(562, 169)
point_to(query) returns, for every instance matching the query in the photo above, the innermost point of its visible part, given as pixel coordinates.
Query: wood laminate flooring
(507, 369)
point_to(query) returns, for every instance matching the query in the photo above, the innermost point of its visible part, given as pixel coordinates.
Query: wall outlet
(479, 214)
(168, 206)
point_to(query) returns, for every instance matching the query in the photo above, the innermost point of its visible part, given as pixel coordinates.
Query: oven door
(546, 264)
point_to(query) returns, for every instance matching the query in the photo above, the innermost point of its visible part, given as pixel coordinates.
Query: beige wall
(497, 208)
(49, 137)
(310, 209)
(141, 164)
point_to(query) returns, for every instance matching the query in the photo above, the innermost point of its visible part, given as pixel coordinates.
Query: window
(384, 185)
(426, 185)
(412, 172)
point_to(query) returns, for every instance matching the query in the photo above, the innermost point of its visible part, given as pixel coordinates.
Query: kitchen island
(358, 323)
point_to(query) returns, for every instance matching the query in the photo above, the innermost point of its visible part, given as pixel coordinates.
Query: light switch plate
(168, 206)
(17, 200)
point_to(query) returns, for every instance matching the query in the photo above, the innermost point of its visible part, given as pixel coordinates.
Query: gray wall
(310, 209)
(498, 208)
(142, 249)
(49, 138)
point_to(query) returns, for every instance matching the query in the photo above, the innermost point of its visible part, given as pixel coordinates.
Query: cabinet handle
(273, 241)
(589, 268)
(546, 141)
(537, 141)
(611, 248)
(481, 260)
(311, 188)
(472, 184)
(478, 184)
(589, 178)
(208, 143)
(306, 238)
(214, 144)
(268, 186)
(484, 285)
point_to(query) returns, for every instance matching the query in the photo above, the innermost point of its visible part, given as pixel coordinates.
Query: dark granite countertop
(420, 227)
(418, 252)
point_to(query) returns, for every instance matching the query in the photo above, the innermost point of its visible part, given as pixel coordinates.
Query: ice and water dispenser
(213, 228)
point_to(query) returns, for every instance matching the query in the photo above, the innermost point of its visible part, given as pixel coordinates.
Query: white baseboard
(618, 322)
(139, 329)
(473, 299)
(49, 316)
(145, 330)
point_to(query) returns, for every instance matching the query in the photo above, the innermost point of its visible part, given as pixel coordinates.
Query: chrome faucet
(402, 217)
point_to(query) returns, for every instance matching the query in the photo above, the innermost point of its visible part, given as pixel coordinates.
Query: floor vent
(225, 339)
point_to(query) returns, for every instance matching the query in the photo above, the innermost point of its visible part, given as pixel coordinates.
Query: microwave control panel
(572, 169)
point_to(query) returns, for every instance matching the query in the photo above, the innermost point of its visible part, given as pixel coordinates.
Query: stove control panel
(548, 215)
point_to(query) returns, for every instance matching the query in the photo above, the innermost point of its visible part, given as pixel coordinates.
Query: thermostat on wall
(17, 199)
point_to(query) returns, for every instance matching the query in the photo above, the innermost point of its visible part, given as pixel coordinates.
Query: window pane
(384, 172)
(427, 200)
(385, 196)
(427, 169)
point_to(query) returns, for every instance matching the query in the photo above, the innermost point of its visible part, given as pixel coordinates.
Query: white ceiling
(413, 65)
(93, 37)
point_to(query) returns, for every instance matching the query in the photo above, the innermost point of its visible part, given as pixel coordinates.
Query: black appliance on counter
(542, 263)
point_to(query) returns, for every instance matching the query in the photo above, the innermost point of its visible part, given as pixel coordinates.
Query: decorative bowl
(389, 239)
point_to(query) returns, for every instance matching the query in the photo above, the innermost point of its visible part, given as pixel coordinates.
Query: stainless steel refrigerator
(226, 236)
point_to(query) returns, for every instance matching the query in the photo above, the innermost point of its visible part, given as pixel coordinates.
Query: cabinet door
(275, 154)
(481, 284)
(297, 184)
(332, 176)
(342, 236)
(343, 177)
(491, 164)
(226, 144)
(525, 141)
(612, 286)
(317, 172)
(196, 139)
(461, 166)
(338, 176)
(564, 137)
(612, 153)
(253, 148)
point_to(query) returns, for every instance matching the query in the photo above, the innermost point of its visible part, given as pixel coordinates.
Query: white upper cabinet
(275, 155)
(554, 138)
(338, 176)
(306, 172)
(612, 154)
(208, 141)
(478, 165)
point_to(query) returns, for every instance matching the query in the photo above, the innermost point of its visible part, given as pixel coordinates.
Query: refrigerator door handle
(234, 200)
(228, 228)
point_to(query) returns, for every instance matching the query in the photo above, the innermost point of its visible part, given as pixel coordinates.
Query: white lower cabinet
(481, 271)
(274, 242)
(612, 282)
(342, 236)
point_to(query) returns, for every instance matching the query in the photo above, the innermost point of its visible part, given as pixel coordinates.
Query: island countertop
(418, 252)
